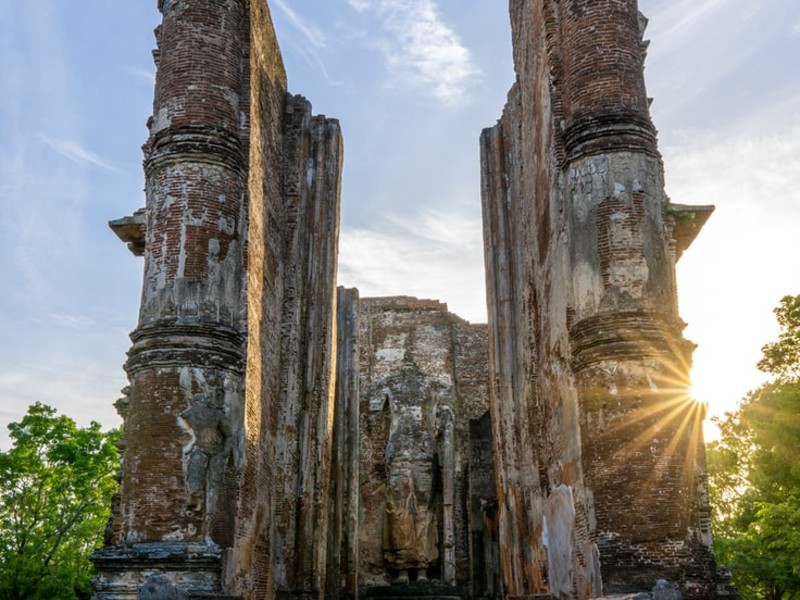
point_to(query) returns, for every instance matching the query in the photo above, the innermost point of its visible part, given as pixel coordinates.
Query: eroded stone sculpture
(411, 530)
(422, 478)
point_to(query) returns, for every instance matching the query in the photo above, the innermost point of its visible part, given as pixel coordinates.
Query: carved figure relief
(411, 524)
(204, 458)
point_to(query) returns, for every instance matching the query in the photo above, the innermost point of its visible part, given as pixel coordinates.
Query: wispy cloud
(40, 216)
(148, 77)
(422, 49)
(682, 16)
(699, 48)
(313, 34)
(76, 153)
(796, 29)
(313, 38)
(77, 387)
(428, 255)
(71, 321)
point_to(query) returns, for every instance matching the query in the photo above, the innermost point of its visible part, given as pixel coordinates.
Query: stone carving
(160, 587)
(423, 378)
(664, 591)
(204, 457)
(446, 430)
(411, 527)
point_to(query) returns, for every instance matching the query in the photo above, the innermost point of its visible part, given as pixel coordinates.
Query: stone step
(416, 597)
(430, 590)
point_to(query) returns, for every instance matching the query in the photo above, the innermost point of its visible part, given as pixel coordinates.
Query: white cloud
(360, 5)
(428, 255)
(697, 49)
(71, 321)
(76, 153)
(422, 50)
(796, 29)
(80, 388)
(147, 76)
(310, 32)
(312, 38)
(680, 18)
(40, 214)
(743, 261)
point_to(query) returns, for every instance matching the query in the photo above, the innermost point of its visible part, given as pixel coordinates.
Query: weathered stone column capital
(628, 336)
(167, 343)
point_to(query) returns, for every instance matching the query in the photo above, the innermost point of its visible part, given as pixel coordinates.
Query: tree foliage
(782, 358)
(754, 473)
(56, 484)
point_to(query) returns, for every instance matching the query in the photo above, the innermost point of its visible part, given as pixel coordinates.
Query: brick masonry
(283, 439)
(227, 440)
(417, 358)
(589, 366)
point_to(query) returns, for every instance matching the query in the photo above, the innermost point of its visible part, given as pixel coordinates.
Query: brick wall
(186, 365)
(414, 353)
(228, 420)
(592, 422)
(295, 168)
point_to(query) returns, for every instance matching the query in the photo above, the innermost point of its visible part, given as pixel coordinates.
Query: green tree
(782, 358)
(754, 471)
(56, 484)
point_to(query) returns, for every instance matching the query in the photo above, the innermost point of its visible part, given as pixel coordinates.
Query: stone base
(171, 570)
(429, 590)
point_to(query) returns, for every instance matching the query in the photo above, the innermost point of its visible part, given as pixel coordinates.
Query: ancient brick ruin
(285, 439)
(599, 445)
(423, 472)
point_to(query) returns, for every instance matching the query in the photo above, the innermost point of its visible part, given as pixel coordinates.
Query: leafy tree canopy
(782, 358)
(56, 484)
(754, 472)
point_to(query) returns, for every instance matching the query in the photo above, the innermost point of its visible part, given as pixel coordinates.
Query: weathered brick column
(598, 446)
(176, 506)
(230, 411)
(186, 362)
(641, 431)
(604, 99)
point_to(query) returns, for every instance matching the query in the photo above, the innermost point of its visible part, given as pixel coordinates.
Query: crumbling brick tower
(598, 447)
(227, 420)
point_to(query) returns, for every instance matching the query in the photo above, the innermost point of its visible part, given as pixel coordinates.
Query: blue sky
(413, 83)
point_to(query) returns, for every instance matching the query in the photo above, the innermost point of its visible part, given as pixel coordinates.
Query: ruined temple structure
(227, 442)
(599, 449)
(426, 469)
(287, 439)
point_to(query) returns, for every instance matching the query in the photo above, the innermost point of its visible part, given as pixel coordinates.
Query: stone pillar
(344, 506)
(229, 415)
(447, 428)
(603, 93)
(591, 418)
(641, 431)
(186, 362)
(308, 349)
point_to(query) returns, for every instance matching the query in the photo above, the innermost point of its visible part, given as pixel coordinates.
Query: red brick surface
(589, 368)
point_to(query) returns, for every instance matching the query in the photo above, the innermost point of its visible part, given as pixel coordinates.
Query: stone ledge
(430, 590)
(131, 230)
(192, 569)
